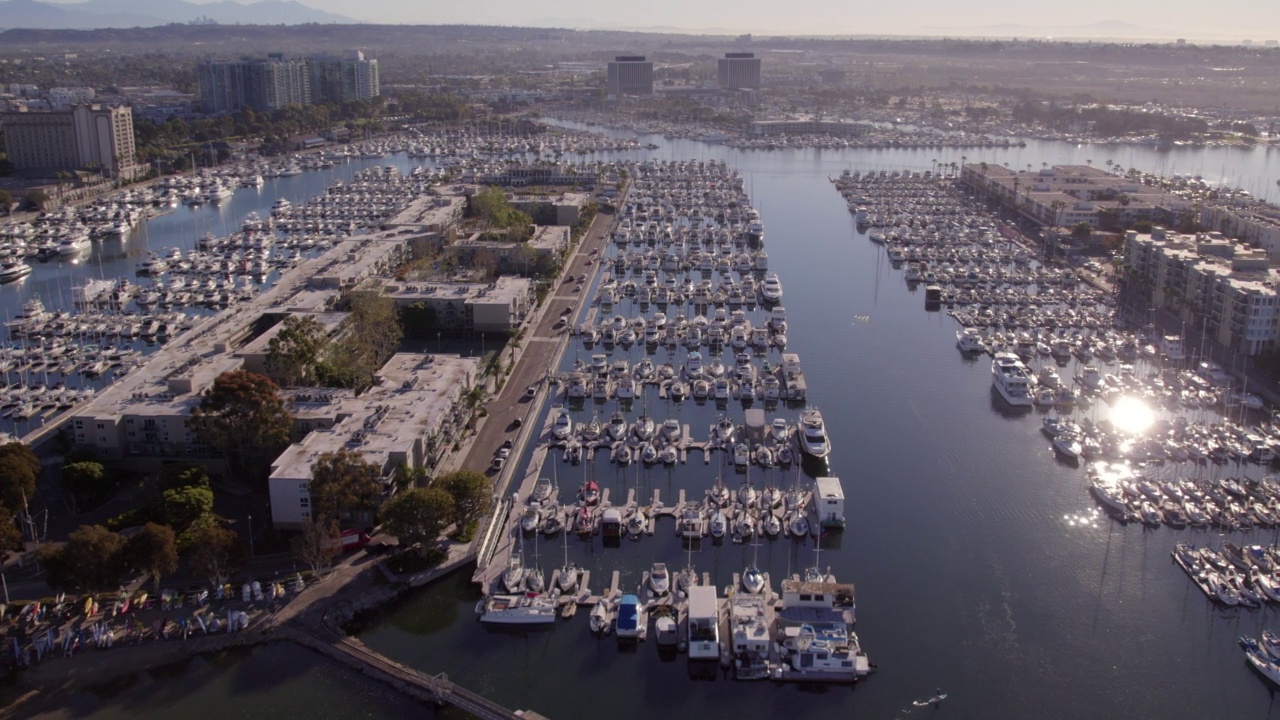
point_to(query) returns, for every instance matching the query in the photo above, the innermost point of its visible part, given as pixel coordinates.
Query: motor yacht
(1012, 379)
(813, 434)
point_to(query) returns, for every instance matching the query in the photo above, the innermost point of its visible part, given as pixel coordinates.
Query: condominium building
(339, 79)
(1064, 195)
(1224, 288)
(738, 71)
(263, 84)
(86, 137)
(409, 417)
(630, 75)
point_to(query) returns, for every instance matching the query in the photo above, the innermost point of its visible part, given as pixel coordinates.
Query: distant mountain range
(95, 14)
(1109, 29)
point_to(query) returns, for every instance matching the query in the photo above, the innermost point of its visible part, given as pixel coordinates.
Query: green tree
(174, 476)
(343, 482)
(6, 201)
(183, 507)
(1081, 231)
(19, 468)
(153, 551)
(472, 494)
(418, 516)
(293, 353)
(419, 320)
(215, 553)
(86, 479)
(375, 334)
(243, 416)
(91, 560)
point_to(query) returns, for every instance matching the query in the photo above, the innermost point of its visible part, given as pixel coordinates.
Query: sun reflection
(1131, 415)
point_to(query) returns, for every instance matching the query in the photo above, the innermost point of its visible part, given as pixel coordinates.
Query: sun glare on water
(1132, 416)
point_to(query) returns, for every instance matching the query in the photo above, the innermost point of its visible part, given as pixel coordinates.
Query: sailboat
(513, 576)
(752, 577)
(687, 577)
(569, 572)
(533, 579)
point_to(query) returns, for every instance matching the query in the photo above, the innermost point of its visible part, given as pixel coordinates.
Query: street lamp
(251, 536)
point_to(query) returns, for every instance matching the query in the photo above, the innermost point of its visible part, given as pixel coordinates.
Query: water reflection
(1131, 416)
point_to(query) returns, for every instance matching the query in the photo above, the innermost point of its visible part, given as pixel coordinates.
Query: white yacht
(771, 288)
(14, 270)
(563, 425)
(218, 192)
(1012, 379)
(970, 340)
(813, 434)
(693, 366)
(659, 579)
(73, 244)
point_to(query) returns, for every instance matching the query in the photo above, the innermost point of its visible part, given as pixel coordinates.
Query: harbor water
(981, 564)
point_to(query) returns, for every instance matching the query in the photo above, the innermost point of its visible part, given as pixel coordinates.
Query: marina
(969, 505)
(686, 245)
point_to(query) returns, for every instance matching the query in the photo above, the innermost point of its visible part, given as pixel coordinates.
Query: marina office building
(86, 137)
(1225, 288)
(630, 75)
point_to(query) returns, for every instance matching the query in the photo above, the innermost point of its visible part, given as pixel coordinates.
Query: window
(304, 502)
(304, 488)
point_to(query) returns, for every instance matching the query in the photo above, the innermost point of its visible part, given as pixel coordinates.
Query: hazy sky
(1226, 19)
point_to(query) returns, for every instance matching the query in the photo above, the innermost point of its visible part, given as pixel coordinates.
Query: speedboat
(753, 580)
(552, 521)
(589, 493)
(813, 434)
(531, 519)
(644, 427)
(659, 579)
(671, 430)
(563, 425)
(14, 270)
(599, 621)
(541, 490)
(772, 525)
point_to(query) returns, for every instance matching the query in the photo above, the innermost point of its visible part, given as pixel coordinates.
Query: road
(542, 343)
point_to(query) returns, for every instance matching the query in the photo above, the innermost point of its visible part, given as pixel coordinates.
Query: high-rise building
(262, 84)
(85, 137)
(335, 79)
(630, 75)
(739, 71)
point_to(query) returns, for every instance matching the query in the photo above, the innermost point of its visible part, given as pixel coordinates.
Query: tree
(317, 543)
(471, 492)
(153, 551)
(10, 535)
(342, 482)
(86, 479)
(293, 353)
(37, 198)
(174, 476)
(215, 553)
(6, 201)
(419, 515)
(19, 468)
(243, 416)
(375, 334)
(183, 507)
(91, 560)
(1081, 231)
